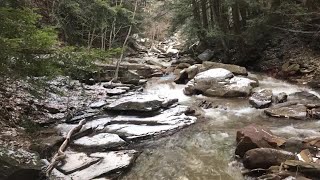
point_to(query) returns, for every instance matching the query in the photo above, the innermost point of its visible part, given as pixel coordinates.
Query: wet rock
(115, 91)
(236, 70)
(169, 102)
(294, 145)
(182, 77)
(133, 127)
(142, 103)
(254, 136)
(279, 98)
(206, 55)
(309, 169)
(265, 158)
(102, 140)
(192, 71)
(98, 104)
(261, 99)
(304, 97)
(133, 131)
(75, 161)
(109, 162)
(298, 112)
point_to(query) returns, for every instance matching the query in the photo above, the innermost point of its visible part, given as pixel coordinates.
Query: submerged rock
(298, 112)
(265, 158)
(142, 103)
(261, 99)
(254, 136)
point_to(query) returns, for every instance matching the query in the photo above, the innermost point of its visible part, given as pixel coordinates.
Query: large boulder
(219, 82)
(265, 158)
(236, 70)
(255, 136)
(261, 99)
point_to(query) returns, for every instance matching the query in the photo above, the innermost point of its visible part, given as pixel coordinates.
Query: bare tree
(116, 75)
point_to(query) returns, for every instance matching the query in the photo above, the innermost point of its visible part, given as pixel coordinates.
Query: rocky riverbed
(176, 120)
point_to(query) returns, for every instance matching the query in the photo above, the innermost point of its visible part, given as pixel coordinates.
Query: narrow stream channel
(205, 150)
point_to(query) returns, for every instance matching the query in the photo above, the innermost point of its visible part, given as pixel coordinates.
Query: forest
(159, 89)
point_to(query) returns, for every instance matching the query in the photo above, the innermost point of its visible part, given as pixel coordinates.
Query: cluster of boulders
(298, 106)
(113, 124)
(215, 79)
(267, 156)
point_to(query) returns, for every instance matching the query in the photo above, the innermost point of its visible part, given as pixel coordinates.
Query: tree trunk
(204, 14)
(116, 75)
(197, 18)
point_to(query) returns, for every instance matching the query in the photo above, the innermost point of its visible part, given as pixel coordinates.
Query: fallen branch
(60, 155)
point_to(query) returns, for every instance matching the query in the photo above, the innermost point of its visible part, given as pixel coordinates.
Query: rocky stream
(180, 120)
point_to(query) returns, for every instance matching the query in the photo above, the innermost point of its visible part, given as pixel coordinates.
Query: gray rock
(109, 162)
(219, 82)
(98, 104)
(298, 112)
(279, 98)
(206, 55)
(75, 161)
(102, 140)
(236, 70)
(115, 91)
(265, 158)
(261, 99)
(148, 128)
(142, 103)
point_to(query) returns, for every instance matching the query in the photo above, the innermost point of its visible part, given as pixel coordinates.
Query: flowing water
(205, 150)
